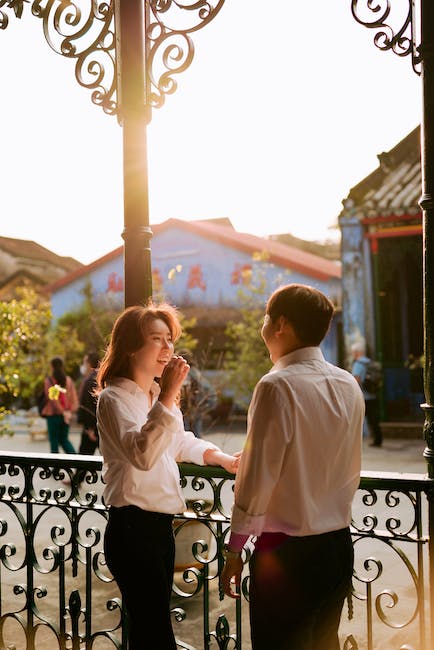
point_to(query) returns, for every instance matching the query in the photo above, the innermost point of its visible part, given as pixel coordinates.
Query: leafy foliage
(24, 327)
(28, 340)
(247, 358)
(91, 323)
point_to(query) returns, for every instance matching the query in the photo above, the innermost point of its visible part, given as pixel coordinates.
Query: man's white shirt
(301, 462)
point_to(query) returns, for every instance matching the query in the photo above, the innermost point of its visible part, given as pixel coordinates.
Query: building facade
(382, 296)
(201, 267)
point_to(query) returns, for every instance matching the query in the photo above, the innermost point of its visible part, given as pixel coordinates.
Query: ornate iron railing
(55, 590)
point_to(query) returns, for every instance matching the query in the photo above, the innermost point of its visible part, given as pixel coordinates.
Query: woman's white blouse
(147, 475)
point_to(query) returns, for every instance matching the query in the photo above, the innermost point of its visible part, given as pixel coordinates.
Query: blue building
(382, 294)
(200, 266)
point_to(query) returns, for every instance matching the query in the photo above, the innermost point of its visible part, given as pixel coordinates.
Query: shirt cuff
(196, 454)
(242, 523)
(164, 415)
(236, 542)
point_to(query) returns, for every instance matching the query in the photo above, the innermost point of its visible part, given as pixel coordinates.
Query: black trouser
(297, 592)
(140, 552)
(371, 408)
(87, 445)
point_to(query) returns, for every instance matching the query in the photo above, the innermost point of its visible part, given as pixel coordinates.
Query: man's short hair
(307, 309)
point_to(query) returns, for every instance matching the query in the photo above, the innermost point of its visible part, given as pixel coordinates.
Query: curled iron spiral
(170, 47)
(376, 14)
(84, 30)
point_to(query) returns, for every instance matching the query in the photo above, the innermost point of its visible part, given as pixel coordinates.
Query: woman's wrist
(213, 456)
(167, 399)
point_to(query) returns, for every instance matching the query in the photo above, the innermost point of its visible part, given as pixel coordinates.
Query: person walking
(298, 474)
(86, 414)
(59, 411)
(359, 370)
(141, 439)
(198, 396)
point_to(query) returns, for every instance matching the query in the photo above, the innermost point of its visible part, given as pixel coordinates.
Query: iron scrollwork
(85, 31)
(55, 587)
(377, 15)
(171, 48)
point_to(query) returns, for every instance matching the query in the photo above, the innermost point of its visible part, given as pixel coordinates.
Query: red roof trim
(391, 218)
(280, 254)
(84, 270)
(406, 231)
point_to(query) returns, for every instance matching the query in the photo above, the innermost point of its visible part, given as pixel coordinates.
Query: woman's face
(156, 352)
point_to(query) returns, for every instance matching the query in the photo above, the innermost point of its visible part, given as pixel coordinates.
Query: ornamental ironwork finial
(85, 30)
(384, 16)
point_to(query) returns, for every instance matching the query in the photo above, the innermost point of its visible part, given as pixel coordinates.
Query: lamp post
(131, 20)
(415, 37)
(127, 53)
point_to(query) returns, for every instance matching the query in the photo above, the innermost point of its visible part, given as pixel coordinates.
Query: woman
(141, 439)
(59, 411)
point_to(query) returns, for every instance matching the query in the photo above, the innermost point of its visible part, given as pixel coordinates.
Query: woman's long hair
(58, 373)
(128, 335)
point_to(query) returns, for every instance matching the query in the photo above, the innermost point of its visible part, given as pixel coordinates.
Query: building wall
(187, 270)
(193, 271)
(355, 289)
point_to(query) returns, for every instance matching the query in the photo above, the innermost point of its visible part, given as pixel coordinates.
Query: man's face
(267, 333)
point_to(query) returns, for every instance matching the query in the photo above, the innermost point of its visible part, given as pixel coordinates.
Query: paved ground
(399, 455)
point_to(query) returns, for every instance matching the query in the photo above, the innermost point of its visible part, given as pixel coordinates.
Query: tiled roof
(22, 275)
(394, 188)
(279, 254)
(27, 249)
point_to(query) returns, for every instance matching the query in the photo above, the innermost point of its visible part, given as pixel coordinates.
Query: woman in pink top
(58, 412)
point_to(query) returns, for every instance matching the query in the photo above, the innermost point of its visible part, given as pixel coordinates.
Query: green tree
(247, 358)
(92, 323)
(24, 326)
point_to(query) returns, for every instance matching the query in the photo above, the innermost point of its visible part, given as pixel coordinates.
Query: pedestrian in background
(359, 370)
(59, 411)
(86, 414)
(141, 439)
(198, 396)
(299, 472)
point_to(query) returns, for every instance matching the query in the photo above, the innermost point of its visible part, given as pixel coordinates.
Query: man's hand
(232, 573)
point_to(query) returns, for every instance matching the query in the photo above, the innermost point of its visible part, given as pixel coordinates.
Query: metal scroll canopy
(89, 32)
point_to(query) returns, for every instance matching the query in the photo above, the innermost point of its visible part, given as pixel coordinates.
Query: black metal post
(131, 17)
(427, 205)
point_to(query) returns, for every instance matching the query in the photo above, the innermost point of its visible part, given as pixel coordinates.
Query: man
(299, 471)
(359, 370)
(86, 414)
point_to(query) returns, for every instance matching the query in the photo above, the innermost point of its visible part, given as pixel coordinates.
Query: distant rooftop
(394, 188)
(221, 230)
(26, 248)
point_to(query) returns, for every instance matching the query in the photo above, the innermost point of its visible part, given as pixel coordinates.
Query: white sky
(280, 114)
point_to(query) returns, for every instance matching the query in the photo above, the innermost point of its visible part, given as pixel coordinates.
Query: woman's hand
(217, 457)
(174, 375)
